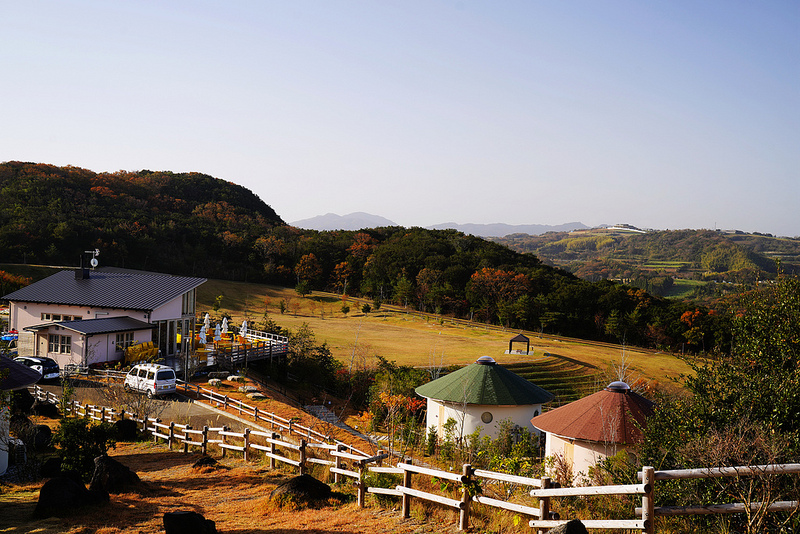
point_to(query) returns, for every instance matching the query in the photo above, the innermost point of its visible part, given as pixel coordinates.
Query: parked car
(150, 378)
(47, 367)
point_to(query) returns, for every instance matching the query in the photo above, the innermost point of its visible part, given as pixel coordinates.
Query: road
(176, 407)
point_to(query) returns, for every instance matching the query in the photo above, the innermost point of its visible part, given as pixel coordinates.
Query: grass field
(413, 340)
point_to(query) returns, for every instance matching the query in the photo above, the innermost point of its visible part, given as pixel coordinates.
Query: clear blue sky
(662, 114)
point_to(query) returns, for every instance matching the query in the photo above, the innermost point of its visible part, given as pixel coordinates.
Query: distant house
(85, 316)
(587, 430)
(482, 394)
(13, 376)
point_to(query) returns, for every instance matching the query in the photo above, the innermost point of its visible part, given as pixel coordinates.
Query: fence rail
(280, 449)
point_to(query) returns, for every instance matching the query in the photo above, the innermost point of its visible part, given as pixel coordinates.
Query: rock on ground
(61, 495)
(302, 488)
(111, 476)
(188, 522)
(573, 527)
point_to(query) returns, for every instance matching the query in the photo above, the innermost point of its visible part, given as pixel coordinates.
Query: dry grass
(235, 497)
(411, 340)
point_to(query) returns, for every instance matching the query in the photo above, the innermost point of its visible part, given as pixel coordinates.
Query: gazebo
(519, 338)
(482, 394)
(595, 427)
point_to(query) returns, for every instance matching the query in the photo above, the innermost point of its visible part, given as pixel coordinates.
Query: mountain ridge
(360, 220)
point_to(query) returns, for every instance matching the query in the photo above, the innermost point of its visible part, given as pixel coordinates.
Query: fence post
(246, 443)
(380, 461)
(302, 457)
(204, 447)
(648, 500)
(544, 502)
(222, 436)
(406, 512)
(272, 450)
(338, 460)
(272, 421)
(86, 412)
(155, 428)
(362, 485)
(103, 414)
(186, 439)
(171, 434)
(463, 514)
(226, 403)
(290, 427)
(255, 414)
(122, 415)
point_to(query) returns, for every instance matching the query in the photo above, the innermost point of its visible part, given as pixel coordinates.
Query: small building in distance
(482, 394)
(587, 430)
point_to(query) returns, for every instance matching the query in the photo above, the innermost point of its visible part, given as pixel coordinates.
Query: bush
(81, 442)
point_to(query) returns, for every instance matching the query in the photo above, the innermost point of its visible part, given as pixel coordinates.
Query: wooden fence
(279, 449)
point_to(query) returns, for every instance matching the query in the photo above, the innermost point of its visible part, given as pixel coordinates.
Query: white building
(85, 316)
(482, 394)
(590, 429)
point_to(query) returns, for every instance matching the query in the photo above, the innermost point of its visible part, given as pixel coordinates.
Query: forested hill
(631, 254)
(193, 224)
(185, 223)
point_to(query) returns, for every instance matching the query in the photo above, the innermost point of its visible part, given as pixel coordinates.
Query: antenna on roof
(83, 272)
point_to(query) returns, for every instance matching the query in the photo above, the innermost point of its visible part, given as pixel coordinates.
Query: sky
(661, 114)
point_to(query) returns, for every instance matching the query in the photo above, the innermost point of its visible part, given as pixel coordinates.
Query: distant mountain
(501, 230)
(353, 221)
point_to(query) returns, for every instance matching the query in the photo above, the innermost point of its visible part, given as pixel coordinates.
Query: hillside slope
(186, 223)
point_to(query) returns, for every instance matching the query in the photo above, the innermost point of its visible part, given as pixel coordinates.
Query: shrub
(81, 442)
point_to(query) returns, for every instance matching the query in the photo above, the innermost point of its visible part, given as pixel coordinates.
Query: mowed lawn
(408, 339)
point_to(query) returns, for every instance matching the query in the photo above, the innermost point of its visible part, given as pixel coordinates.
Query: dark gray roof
(19, 376)
(129, 290)
(104, 325)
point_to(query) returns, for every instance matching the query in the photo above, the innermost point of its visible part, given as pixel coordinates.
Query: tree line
(194, 224)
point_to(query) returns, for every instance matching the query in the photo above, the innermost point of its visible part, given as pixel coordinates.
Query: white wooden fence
(278, 448)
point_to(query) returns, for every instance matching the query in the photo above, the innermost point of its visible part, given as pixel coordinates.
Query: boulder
(127, 430)
(188, 522)
(247, 389)
(61, 495)
(45, 409)
(214, 382)
(235, 378)
(51, 467)
(572, 527)
(256, 396)
(111, 476)
(38, 437)
(302, 488)
(205, 461)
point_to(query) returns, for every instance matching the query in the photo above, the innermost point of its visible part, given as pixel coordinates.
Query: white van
(150, 378)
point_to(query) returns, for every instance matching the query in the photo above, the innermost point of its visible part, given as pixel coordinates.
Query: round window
(486, 417)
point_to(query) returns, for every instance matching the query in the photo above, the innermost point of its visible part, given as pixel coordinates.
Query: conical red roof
(612, 415)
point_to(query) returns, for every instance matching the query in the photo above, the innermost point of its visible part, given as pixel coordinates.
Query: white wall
(581, 454)
(170, 310)
(468, 418)
(25, 314)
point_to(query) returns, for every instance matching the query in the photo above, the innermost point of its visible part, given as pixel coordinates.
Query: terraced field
(567, 379)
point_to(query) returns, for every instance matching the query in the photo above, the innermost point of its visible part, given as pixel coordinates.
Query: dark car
(47, 367)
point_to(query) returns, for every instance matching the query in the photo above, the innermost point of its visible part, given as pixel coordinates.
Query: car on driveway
(47, 367)
(150, 378)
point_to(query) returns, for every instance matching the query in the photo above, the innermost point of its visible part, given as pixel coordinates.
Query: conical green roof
(484, 382)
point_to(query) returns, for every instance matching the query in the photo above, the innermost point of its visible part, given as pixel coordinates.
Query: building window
(124, 340)
(59, 344)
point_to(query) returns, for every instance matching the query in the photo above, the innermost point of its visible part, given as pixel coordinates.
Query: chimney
(82, 273)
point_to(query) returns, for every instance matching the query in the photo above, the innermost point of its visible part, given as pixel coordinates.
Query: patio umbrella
(243, 329)
(207, 322)
(203, 335)
(217, 335)
(224, 325)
